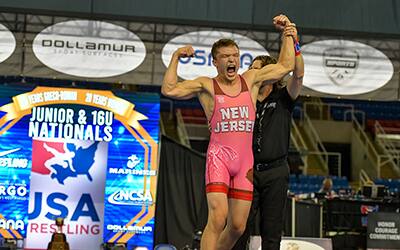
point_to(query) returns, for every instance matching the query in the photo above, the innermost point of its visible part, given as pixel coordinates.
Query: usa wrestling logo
(62, 160)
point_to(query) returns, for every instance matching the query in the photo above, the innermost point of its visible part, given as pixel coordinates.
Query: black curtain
(181, 206)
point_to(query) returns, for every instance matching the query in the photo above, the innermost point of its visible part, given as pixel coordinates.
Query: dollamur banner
(88, 156)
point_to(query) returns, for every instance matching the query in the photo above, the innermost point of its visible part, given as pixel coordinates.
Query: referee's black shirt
(274, 113)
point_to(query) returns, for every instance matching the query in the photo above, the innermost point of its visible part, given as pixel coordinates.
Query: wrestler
(228, 101)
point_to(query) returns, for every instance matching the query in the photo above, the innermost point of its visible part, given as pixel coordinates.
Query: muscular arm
(295, 82)
(274, 72)
(179, 90)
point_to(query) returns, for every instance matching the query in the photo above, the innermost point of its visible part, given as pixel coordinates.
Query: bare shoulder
(206, 82)
(204, 79)
(250, 76)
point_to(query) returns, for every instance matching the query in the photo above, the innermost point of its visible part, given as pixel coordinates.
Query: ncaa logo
(340, 64)
(201, 63)
(62, 160)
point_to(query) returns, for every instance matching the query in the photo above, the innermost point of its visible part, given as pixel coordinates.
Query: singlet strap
(217, 89)
(244, 84)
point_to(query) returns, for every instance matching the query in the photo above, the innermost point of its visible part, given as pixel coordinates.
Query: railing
(322, 111)
(299, 143)
(358, 119)
(316, 142)
(364, 178)
(369, 148)
(334, 162)
(389, 148)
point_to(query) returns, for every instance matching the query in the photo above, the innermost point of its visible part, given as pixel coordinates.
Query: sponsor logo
(125, 171)
(7, 43)
(130, 229)
(87, 48)
(134, 167)
(133, 161)
(201, 63)
(59, 202)
(9, 162)
(12, 224)
(17, 190)
(340, 64)
(67, 180)
(131, 197)
(6, 152)
(342, 67)
(62, 160)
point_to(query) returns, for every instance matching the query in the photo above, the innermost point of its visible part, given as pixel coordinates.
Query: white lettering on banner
(384, 236)
(201, 63)
(385, 230)
(129, 229)
(47, 96)
(386, 224)
(106, 102)
(132, 171)
(131, 197)
(86, 48)
(47, 122)
(12, 224)
(12, 190)
(14, 162)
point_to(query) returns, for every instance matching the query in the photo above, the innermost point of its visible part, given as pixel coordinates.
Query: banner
(383, 231)
(58, 146)
(7, 43)
(342, 67)
(87, 48)
(201, 63)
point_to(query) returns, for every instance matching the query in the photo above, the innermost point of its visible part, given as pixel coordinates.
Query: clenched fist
(280, 22)
(186, 51)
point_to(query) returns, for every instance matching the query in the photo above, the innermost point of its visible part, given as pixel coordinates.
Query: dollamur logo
(87, 48)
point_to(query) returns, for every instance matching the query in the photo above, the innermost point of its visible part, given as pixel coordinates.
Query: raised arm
(274, 72)
(295, 82)
(180, 90)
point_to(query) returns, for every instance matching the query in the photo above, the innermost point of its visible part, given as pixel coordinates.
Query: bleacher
(387, 113)
(393, 185)
(303, 184)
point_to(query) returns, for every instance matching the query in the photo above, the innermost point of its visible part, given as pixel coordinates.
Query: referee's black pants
(270, 195)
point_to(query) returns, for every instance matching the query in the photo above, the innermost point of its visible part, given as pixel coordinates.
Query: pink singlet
(229, 154)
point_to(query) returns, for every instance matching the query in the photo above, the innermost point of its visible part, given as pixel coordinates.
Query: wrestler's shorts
(227, 172)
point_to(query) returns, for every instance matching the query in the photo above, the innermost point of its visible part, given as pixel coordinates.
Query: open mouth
(231, 69)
